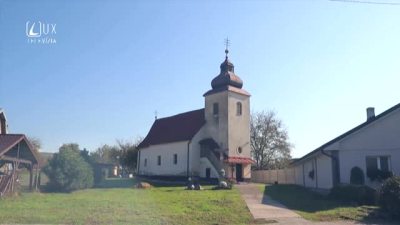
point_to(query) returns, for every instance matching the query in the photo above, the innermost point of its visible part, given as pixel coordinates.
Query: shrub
(389, 196)
(231, 182)
(99, 172)
(361, 194)
(378, 175)
(67, 171)
(357, 176)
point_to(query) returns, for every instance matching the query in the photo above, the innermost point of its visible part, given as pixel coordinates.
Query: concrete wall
(217, 126)
(166, 151)
(239, 125)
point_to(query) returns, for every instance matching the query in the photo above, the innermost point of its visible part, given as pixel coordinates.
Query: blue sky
(318, 64)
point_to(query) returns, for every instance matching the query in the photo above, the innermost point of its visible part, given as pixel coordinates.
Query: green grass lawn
(118, 203)
(313, 206)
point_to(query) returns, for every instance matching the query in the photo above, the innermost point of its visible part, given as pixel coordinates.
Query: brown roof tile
(181, 127)
(7, 141)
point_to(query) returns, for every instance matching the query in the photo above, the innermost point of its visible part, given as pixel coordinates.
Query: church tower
(227, 114)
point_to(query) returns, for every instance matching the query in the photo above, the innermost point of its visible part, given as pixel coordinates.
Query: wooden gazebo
(16, 153)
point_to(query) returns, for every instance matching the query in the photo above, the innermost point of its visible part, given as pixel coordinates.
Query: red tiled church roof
(181, 127)
(239, 160)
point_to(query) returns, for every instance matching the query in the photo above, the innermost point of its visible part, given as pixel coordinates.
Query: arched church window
(239, 108)
(215, 109)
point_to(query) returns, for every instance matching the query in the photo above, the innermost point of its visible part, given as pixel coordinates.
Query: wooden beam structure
(13, 159)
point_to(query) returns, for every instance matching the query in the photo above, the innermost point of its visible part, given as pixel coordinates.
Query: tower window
(239, 150)
(175, 159)
(239, 109)
(159, 160)
(215, 109)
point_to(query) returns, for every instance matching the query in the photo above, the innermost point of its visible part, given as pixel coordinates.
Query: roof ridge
(179, 114)
(351, 131)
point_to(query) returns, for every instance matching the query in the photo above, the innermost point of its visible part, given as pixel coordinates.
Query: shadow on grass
(303, 200)
(299, 198)
(117, 183)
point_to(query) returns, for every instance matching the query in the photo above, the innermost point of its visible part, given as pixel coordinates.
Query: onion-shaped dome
(227, 76)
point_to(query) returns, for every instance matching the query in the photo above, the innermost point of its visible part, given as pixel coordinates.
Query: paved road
(262, 207)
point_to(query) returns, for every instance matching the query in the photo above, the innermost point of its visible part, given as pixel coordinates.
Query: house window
(215, 109)
(145, 162)
(159, 160)
(378, 163)
(239, 109)
(175, 159)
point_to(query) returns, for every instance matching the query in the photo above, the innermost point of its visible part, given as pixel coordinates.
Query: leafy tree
(86, 156)
(389, 196)
(67, 170)
(106, 154)
(35, 143)
(269, 140)
(70, 146)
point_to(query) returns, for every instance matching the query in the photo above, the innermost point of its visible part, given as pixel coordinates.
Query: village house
(373, 145)
(16, 153)
(202, 142)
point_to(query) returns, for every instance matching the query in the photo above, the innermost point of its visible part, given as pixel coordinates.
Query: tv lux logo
(43, 33)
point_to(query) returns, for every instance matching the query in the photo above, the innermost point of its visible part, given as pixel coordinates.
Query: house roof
(359, 127)
(181, 127)
(239, 160)
(8, 141)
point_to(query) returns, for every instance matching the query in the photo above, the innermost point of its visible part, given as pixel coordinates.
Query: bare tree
(35, 143)
(270, 145)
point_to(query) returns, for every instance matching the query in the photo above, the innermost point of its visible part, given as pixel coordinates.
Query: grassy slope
(171, 205)
(312, 206)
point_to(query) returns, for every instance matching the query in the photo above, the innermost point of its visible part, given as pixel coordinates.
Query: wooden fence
(286, 176)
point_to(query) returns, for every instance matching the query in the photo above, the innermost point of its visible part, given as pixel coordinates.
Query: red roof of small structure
(181, 127)
(239, 160)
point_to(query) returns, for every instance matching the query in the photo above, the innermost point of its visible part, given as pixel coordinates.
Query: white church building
(202, 142)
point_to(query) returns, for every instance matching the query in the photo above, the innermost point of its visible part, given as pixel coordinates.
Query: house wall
(380, 138)
(308, 167)
(322, 166)
(166, 151)
(204, 164)
(194, 152)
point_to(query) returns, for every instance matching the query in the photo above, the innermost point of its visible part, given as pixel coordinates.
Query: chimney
(370, 113)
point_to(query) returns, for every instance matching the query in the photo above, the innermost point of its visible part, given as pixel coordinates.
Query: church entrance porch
(239, 172)
(238, 168)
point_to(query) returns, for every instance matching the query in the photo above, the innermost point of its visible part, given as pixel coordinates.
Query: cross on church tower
(227, 43)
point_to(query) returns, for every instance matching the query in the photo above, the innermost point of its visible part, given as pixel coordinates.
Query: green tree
(68, 171)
